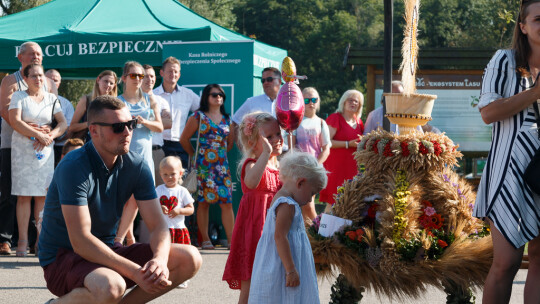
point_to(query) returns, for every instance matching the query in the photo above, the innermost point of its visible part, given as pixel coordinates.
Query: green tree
(218, 11)
(11, 7)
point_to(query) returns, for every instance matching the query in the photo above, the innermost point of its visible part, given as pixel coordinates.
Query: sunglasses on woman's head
(119, 127)
(314, 100)
(135, 75)
(215, 95)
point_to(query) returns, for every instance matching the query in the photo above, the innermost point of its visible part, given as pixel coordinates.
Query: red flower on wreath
(427, 204)
(422, 148)
(442, 243)
(355, 235)
(351, 235)
(388, 150)
(375, 149)
(436, 221)
(405, 148)
(437, 148)
(359, 234)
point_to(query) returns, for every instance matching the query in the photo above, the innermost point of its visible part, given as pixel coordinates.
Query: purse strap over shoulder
(197, 148)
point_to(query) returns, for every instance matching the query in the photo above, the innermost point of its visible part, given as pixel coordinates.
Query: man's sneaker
(183, 285)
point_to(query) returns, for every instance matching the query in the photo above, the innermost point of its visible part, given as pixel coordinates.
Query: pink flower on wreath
(249, 123)
(429, 211)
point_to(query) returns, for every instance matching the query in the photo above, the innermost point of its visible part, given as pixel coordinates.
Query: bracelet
(346, 144)
(288, 273)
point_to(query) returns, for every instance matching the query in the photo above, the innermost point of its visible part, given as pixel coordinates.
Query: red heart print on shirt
(170, 203)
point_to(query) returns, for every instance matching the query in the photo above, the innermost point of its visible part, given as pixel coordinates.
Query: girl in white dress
(284, 270)
(32, 158)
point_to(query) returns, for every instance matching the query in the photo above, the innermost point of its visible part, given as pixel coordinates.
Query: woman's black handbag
(54, 123)
(532, 173)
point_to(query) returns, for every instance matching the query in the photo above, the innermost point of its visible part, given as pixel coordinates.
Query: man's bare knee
(185, 260)
(106, 285)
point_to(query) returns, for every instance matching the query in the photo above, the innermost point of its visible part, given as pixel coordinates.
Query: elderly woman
(105, 84)
(32, 146)
(312, 136)
(345, 128)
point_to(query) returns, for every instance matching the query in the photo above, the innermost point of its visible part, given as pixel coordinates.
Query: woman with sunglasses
(146, 111)
(105, 84)
(213, 175)
(510, 90)
(345, 128)
(312, 136)
(32, 148)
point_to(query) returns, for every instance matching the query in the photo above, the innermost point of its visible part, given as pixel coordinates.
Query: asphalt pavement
(21, 281)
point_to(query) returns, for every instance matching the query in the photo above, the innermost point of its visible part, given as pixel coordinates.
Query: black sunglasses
(217, 94)
(119, 127)
(314, 100)
(269, 79)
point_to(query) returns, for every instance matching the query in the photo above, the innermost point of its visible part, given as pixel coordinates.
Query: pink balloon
(290, 106)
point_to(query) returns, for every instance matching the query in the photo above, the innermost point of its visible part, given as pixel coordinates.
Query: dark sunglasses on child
(215, 95)
(268, 79)
(119, 127)
(314, 100)
(135, 75)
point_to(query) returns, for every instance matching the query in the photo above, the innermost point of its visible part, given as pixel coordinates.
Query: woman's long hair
(96, 92)
(520, 43)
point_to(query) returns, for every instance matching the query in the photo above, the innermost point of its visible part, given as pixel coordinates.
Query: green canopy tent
(84, 37)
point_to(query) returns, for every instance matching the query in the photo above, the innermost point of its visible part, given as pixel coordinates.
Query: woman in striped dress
(513, 210)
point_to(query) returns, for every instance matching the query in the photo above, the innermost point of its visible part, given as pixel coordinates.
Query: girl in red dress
(260, 137)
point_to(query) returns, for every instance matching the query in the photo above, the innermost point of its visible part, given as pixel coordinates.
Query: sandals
(207, 245)
(23, 252)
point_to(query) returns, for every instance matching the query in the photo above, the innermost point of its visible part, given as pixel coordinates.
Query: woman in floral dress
(214, 183)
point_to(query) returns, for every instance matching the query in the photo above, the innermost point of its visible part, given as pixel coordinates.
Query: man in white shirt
(181, 101)
(149, 81)
(67, 109)
(271, 81)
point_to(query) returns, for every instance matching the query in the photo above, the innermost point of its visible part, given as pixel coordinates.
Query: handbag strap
(537, 115)
(198, 137)
(52, 112)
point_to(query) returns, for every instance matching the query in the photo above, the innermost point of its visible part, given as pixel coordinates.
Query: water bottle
(39, 154)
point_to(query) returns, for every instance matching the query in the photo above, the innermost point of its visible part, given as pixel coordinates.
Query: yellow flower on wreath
(210, 195)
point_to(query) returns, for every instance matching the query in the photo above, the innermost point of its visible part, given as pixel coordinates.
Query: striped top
(503, 196)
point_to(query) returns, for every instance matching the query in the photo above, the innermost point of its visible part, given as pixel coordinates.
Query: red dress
(249, 225)
(340, 163)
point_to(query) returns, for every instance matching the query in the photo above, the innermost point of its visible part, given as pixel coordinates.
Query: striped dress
(503, 196)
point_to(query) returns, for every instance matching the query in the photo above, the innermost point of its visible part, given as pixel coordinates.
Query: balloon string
(291, 146)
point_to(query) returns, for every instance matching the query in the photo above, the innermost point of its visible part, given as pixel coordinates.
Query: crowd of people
(87, 171)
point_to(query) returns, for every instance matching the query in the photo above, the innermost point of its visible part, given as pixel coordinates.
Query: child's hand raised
(164, 209)
(292, 279)
(267, 147)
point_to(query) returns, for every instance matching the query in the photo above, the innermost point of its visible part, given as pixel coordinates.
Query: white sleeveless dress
(268, 275)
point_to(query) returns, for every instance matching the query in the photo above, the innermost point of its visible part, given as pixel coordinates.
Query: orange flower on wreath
(442, 243)
(359, 234)
(351, 235)
(436, 221)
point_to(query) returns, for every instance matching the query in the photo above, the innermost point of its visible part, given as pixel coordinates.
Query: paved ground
(21, 281)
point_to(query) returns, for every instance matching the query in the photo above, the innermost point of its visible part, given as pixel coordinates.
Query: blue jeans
(174, 148)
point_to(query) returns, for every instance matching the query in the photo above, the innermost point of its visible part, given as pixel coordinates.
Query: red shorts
(69, 269)
(180, 236)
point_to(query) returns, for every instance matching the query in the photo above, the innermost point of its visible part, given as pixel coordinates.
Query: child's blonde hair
(173, 161)
(297, 165)
(249, 133)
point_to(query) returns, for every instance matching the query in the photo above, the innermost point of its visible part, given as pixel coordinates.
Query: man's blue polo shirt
(82, 178)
